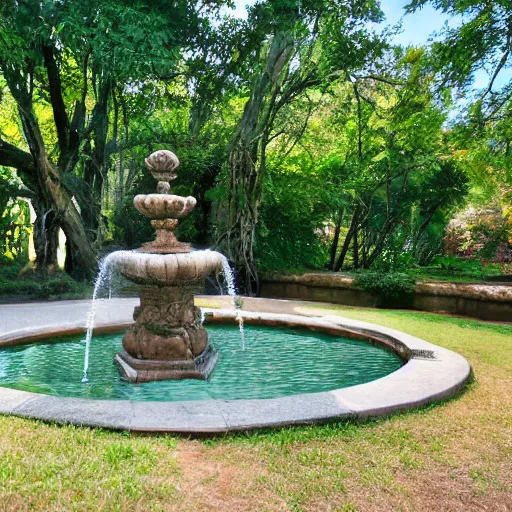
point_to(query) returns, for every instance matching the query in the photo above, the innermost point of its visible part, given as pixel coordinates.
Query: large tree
(75, 58)
(480, 45)
(304, 45)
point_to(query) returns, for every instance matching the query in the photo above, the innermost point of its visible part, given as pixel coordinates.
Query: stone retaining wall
(484, 301)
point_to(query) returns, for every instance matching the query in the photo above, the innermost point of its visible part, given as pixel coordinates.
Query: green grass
(453, 456)
(450, 269)
(439, 274)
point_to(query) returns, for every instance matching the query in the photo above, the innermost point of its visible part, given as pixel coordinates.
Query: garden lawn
(454, 456)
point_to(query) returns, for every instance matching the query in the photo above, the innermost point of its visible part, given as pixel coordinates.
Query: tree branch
(59, 108)
(385, 80)
(11, 156)
(499, 67)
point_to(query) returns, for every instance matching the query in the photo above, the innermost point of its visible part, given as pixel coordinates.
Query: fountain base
(167, 341)
(146, 370)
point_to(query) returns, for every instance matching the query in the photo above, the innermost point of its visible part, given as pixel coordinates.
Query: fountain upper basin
(167, 269)
(164, 206)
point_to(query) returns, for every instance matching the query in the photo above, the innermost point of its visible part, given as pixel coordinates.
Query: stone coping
(419, 382)
(488, 292)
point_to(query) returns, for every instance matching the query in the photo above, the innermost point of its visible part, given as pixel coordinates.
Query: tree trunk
(247, 163)
(46, 235)
(348, 239)
(49, 185)
(95, 171)
(363, 249)
(355, 248)
(335, 241)
(379, 245)
(84, 256)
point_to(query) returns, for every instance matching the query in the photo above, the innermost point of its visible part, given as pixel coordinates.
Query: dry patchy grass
(452, 457)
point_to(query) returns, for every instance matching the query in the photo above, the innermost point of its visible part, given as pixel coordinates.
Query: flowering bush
(483, 233)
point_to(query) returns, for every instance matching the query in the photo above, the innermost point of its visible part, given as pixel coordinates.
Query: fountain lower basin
(419, 381)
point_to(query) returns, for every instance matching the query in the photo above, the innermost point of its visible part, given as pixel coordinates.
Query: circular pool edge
(430, 374)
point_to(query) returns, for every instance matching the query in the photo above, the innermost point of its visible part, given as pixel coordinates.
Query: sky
(417, 28)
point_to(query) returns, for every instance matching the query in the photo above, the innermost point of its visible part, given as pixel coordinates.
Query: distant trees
(308, 139)
(380, 169)
(397, 168)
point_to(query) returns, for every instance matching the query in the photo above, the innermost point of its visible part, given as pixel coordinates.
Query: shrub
(58, 285)
(19, 287)
(459, 265)
(34, 285)
(391, 286)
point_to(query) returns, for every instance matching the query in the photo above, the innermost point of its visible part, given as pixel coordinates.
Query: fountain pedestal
(167, 340)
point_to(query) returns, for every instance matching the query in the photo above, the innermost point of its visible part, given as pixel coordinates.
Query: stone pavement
(119, 311)
(67, 312)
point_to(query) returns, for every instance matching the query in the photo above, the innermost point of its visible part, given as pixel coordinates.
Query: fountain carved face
(167, 340)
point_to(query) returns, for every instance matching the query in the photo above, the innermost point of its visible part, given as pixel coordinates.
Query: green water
(275, 362)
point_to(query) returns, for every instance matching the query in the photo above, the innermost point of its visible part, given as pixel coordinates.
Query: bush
(60, 284)
(37, 286)
(393, 286)
(459, 265)
(19, 287)
(391, 260)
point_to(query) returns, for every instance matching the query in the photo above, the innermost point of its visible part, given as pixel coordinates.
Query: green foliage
(350, 128)
(14, 218)
(482, 131)
(394, 257)
(393, 286)
(29, 285)
(397, 177)
(455, 264)
(289, 235)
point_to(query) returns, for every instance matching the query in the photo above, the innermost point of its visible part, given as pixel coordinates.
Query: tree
(73, 56)
(482, 42)
(295, 58)
(391, 163)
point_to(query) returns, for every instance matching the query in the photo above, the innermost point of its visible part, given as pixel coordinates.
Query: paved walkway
(65, 313)
(119, 311)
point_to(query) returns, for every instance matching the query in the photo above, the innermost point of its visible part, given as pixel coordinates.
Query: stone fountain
(167, 340)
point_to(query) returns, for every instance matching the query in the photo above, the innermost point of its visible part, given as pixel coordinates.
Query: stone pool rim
(419, 382)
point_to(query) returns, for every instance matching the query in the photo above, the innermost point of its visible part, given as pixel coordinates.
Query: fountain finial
(162, 164)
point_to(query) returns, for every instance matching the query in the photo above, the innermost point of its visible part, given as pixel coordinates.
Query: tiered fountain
(167, 340)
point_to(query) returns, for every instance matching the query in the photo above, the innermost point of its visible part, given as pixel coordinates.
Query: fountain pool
(428, 373)
(276, 362)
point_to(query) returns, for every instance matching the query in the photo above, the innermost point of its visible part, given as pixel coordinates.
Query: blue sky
(417, 28)
(421, 26)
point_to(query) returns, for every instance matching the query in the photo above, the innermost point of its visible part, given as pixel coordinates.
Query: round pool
(274, 362)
